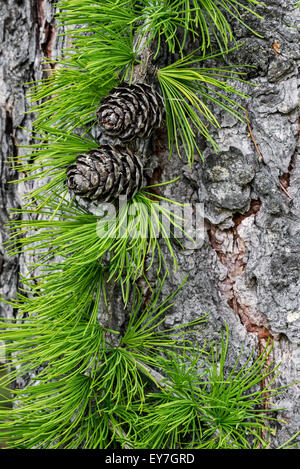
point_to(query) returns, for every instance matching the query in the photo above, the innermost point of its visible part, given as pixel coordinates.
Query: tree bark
(246, 271)
(28, 36)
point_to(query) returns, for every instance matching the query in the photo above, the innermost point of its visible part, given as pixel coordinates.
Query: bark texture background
(247, 270)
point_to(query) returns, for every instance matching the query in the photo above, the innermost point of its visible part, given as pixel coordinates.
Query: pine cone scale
(130, 111)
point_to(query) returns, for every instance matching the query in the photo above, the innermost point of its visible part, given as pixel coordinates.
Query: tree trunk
(246, 271)
(27, 36)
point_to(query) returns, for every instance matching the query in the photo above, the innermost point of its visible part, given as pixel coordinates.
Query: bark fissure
(231, 250)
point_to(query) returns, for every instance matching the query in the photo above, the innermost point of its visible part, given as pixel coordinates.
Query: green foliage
(87, 386)
(109, 13)
(207, 409)
(206, 19)
(104, 52)
(211, 18)
(48, 159)
(161, 20)
(70, 96)
(80, 380)
(86, 393)
(186, 89)
(130, 234)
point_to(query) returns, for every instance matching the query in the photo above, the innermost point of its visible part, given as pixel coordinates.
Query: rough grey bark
(27, 36)
(246, 271)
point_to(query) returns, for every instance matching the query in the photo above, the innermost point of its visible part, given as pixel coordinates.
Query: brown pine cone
(131, 111)
(105, 173)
